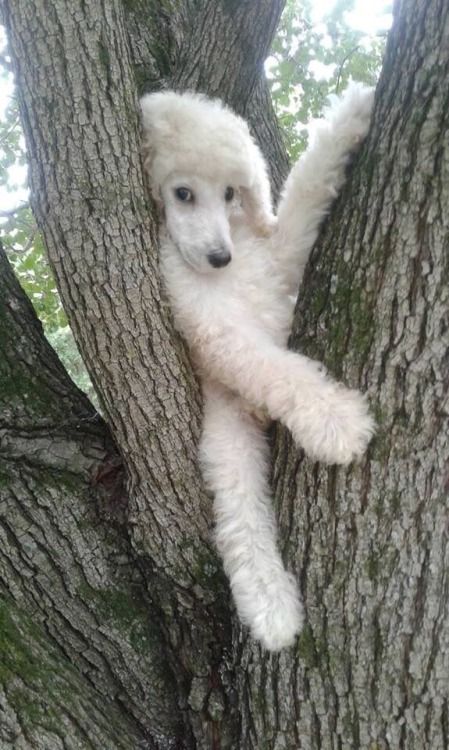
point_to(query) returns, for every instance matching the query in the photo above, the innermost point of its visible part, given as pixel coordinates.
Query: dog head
(201, 159)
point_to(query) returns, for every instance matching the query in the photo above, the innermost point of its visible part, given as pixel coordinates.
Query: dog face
(197, 213)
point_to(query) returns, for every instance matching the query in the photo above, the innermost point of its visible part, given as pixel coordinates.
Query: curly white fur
(230, 271)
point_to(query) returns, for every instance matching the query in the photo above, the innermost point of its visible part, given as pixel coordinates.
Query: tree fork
(370, 544)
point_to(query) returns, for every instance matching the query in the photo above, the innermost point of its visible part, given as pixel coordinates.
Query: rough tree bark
(116, 624)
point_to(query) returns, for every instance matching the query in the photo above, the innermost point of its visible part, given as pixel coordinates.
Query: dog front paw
(351, 114)
(335, 426)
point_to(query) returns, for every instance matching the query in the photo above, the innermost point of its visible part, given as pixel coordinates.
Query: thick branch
(370, 545)
(90, 201)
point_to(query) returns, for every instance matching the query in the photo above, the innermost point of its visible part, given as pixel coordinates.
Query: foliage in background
(308, 62)
(23, 243)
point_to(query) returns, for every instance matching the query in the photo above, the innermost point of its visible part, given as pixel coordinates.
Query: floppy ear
(256, 198)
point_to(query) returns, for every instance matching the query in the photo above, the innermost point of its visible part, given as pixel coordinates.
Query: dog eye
(184, 194)
(229, 194)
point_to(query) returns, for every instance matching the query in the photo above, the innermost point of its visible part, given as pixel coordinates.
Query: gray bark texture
(116, 627)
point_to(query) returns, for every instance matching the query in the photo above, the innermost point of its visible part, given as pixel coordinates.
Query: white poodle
(230, 269)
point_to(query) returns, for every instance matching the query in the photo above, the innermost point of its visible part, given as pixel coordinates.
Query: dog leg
(329, 421)
(235, 459)
(316, 179)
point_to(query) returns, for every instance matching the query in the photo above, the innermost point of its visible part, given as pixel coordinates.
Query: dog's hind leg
(317, 178)
(235, 460)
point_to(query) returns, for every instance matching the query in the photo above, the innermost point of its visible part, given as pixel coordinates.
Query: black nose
(219, 258)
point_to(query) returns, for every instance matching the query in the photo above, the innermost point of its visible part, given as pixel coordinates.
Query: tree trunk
(116, 620)
(370, 545)
(79, 108)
